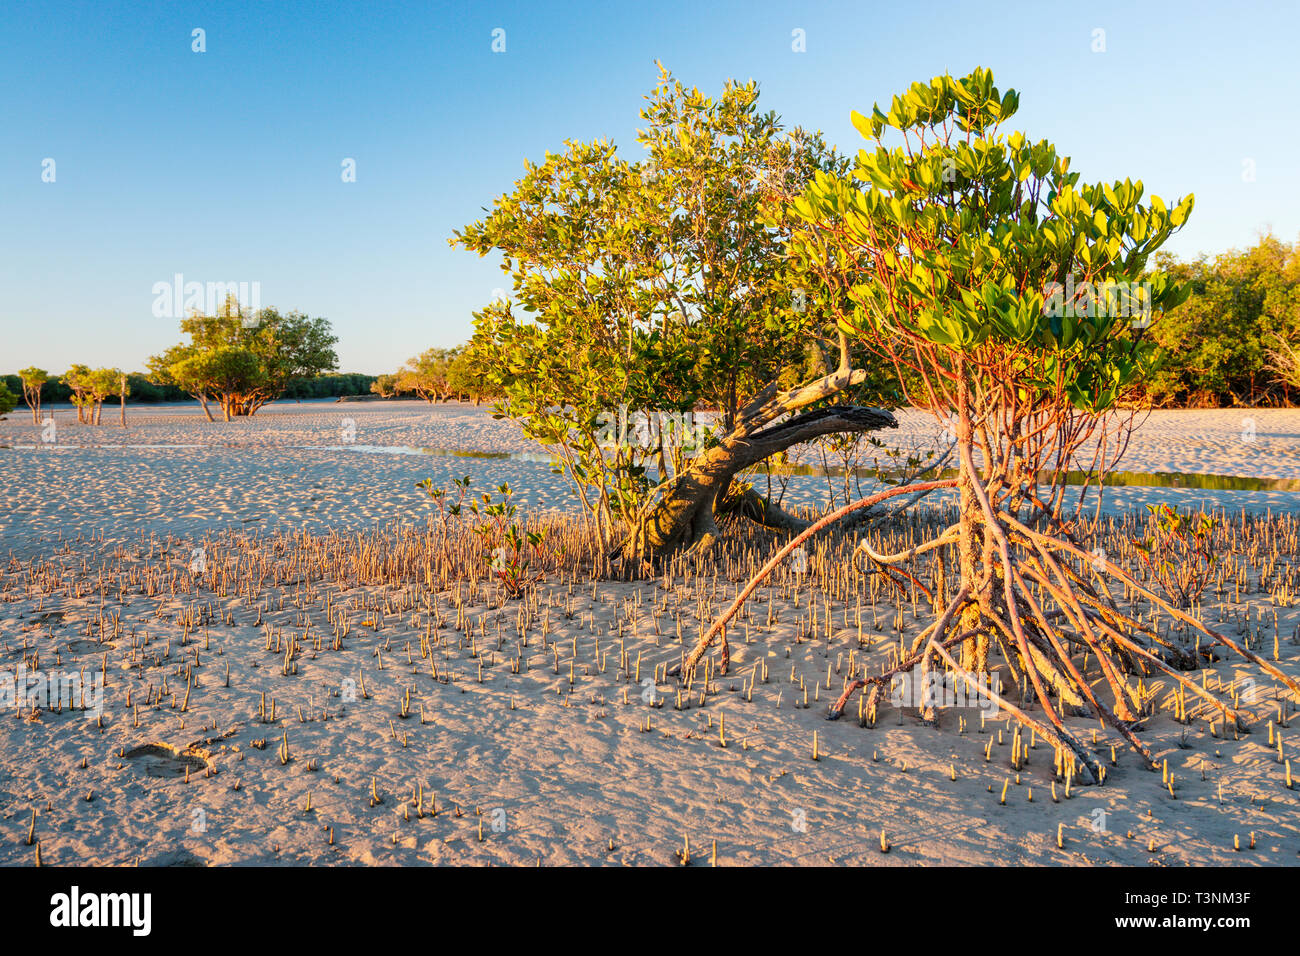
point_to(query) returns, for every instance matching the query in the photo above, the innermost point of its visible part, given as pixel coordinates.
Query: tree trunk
(973, 548)
(970, 550)
(685, 516)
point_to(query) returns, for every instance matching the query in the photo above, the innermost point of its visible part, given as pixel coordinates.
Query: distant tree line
(235, 359)
(1236, 340)
(439, 375)
(330, 385)
(141, 391)
(86, 388)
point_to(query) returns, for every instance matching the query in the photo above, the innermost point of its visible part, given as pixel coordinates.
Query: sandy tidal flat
(454, 727)
(318, 466)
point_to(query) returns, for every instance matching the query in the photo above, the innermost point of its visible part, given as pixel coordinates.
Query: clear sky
(226, 165)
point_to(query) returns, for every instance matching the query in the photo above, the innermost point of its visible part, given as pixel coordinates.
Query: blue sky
(226, 165)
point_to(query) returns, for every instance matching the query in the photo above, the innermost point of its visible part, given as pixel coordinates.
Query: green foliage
(513, 549)
(467, 374)
(1218, 347)
(958, 239)
(77, 379)
(30, 381)
(245, 361)
(514, 555)
(427, 375)
(659, 284)
(90, 387)
(438, 374)
(143, 390)
(1178, 552)
(33, 377)
(104, 382)
(8, 400)
(221, 370)
(441, 498)
(139, 389)
(334, 385)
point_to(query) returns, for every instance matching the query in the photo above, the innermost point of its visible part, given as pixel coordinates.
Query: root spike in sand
(521, 699)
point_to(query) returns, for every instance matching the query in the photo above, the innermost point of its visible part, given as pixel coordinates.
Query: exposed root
(687, 667)
(1049, 650)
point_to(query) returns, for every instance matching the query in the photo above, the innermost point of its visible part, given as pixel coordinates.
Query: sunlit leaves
(966, 235)
(659, 283)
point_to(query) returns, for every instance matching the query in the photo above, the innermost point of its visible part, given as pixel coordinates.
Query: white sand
(571, 772)
(305, 466)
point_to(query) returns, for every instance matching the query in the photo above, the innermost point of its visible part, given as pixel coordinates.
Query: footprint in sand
(164, 760)
(92, 647)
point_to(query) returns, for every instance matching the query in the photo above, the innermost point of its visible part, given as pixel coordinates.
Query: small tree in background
(385, 386)
(1009, 297)
(245, 361)
(8, 400)
(161, 372)
(33, 379)
(97, 385)
(467, 378)
(77, 378)
(427, 374)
